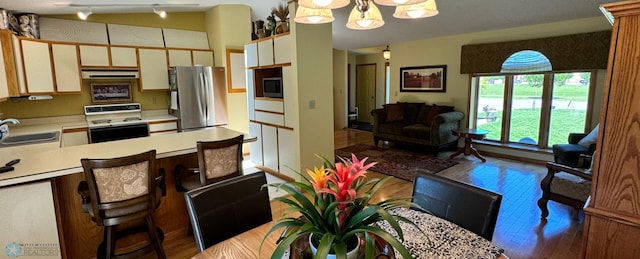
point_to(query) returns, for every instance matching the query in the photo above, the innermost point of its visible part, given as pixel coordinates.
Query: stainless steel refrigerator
(198, 96)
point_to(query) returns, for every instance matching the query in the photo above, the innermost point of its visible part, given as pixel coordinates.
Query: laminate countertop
(44, 161)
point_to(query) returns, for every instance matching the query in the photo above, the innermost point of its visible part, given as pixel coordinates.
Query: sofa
(417, 124)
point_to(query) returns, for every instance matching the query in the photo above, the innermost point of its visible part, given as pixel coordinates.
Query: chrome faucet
(14, 121)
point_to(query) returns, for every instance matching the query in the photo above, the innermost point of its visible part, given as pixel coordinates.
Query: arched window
(512, 107)
(526, 61)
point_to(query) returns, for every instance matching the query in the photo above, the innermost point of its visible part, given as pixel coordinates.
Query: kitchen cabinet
(179, 57)
(287, 153)
(265, 52)
(94, 56)
(154, 73)
(74, 137)
(270, 147)
(163, 127)
(8, 78)
(289, 93)
(251, 55)
(66, 67)
(282, 49)
(255, 148)
(251, 97)
(203, 57)
(38, 71)
(123, 57)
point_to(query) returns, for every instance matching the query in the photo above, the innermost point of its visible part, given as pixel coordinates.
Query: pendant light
(313, 16)
(364, 16)
(415, 11)
(386, 53)
(397, 2)
(324, 4)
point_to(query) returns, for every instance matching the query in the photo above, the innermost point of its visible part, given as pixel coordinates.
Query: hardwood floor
(519, 230)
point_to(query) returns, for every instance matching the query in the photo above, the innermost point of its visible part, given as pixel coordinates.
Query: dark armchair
(567, 185)
(568, 154)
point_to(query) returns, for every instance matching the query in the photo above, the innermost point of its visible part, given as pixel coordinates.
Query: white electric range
(115, 122)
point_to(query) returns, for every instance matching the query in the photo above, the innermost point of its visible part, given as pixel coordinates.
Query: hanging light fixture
(160, 12)
(313, 16)
(414, 11)
(386, 53)
(84, 15)
(365, 14)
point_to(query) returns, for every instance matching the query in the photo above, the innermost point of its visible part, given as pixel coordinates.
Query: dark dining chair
(121, 195)
(224, 209)
(217, 161)
(468, 206)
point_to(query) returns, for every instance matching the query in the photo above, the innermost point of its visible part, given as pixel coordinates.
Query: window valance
(583, 51)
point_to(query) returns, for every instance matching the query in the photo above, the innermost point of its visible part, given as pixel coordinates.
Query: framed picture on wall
(111, 92)
(423, 79)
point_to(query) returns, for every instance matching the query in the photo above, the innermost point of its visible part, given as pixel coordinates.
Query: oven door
(110, 133)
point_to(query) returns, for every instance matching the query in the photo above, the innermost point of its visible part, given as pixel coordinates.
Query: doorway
(365, 91)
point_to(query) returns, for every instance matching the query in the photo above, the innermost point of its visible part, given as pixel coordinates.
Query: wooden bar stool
(121, 194)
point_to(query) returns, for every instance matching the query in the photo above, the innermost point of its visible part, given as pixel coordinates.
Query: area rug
(400, 163)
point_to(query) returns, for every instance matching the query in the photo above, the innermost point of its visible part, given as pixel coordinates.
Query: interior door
(365, 91)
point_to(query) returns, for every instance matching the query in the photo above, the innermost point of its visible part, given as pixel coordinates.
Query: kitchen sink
(34, 138)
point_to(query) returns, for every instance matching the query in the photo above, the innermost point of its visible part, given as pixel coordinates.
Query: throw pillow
(590, 138)
(394, 112)
(434, 111)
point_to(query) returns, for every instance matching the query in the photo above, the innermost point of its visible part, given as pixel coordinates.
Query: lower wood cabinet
(163, 127)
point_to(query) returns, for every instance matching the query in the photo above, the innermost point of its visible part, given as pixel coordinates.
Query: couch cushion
(433, 111)
(394, 112)
(417, 130)
(411, 111)
(391, 128)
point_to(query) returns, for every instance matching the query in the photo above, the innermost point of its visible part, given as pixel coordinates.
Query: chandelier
(365, 14)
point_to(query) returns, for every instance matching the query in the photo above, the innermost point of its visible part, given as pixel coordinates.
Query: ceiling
(456, 16)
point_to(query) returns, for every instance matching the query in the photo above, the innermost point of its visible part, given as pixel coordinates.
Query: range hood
(109, 74)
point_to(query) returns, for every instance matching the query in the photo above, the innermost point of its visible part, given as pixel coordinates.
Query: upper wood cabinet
(154, 73)
(202, 57)
(66, 67)
(8, 78)
(265, 52)
(94, 56)
(282, 49)
(38, 71)
(179, 57)
(124, 57)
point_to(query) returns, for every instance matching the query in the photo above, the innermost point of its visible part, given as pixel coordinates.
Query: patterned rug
(400, 163)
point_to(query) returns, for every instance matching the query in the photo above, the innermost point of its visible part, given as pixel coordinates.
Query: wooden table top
(247, 245)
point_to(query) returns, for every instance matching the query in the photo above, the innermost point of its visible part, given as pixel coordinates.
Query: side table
(469, 135)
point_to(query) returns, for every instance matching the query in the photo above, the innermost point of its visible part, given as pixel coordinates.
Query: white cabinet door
(251, 97)
(255, 148)
(290, 97)
(202, 57)
(124, 57)
(154, 73)
(66, 67)
(74, 137)
(94, 56)
(38, 71)
(265, 52)
(282, 49)
(270, 147)
(179, 57)
(288, 153)
(251, 55)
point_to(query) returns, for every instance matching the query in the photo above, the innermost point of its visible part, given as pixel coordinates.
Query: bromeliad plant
(334, 205)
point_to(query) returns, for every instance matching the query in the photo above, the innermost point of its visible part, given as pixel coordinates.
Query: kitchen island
(41, 191)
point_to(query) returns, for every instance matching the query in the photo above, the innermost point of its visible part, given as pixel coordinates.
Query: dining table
(438, 239)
